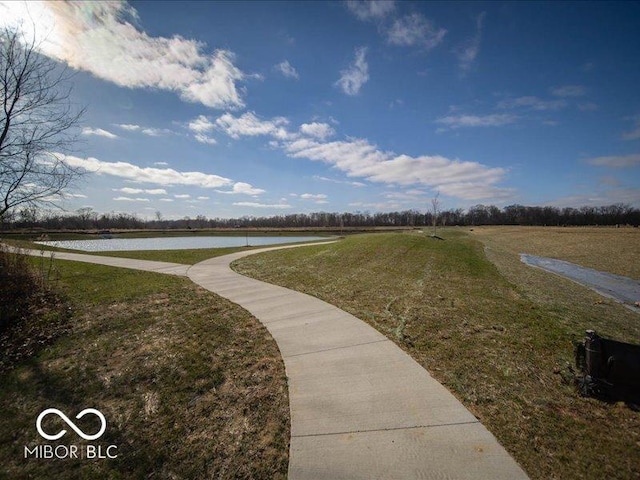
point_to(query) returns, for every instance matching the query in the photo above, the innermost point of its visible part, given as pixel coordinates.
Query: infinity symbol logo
(70, 423)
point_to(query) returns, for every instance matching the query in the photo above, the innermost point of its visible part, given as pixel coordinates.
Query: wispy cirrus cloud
(286, 69)
(356, 75)
(634, 133)
(101, 38)
(344, 182)
(532, 103)
(149, 131)
(469, 50)
(465, 121)
(367, 10)
(135, 191)
(415, 30)
(616, 161)
(129, 199)
(99, 132)
(569, 91)
(281, 206)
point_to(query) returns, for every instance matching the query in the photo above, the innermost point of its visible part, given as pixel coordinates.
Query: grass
(500, 344)
(613, 250)
(191, 385)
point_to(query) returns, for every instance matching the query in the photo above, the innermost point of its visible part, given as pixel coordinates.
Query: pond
(174, 243)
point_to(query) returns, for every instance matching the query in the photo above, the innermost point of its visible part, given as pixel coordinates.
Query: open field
(191, 385)
(499, 337)
(613, 250)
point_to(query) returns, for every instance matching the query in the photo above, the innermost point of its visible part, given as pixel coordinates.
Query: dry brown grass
(501, 346)
(613, 250)
(192, 386)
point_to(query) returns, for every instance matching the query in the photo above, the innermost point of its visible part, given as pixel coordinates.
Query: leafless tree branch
(37, 125)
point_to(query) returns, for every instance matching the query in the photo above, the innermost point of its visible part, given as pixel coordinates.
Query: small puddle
(621, 289)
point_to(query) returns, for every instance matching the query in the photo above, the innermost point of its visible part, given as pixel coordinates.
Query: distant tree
(36, 125)
(435, 210)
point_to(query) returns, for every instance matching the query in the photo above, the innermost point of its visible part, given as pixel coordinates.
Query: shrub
(32, 313)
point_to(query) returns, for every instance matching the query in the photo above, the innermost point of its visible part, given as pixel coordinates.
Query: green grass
(191, 385)
(500, 345)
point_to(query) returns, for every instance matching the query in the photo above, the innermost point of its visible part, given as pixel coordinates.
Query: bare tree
(435, 211)
(37, 125)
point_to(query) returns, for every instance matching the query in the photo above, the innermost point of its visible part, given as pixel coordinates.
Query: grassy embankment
(191, 385)
(499, 337)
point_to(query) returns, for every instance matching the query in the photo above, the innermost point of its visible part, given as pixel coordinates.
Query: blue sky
(227, 109)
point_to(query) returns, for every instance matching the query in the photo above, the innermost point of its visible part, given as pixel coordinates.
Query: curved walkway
(361, 408)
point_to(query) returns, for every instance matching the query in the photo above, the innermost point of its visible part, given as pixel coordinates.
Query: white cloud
(366, 10)
(161, 164)
(312, 196)
(182, 195)
(202, 138)
(128, 199)
(159, 176)
(250, 125)
(98, 132)
(100, 38)
(200, 126)
(75, 195)
(468, 51)
(152, 132)
(128, 126)
(569, 91)
(134, 191)
(262, 205)
(286, 69)
(358, 158)
(203, 198)
(493, 120)
(415, 30)
(241, 188)
(156, 132)
(356, 75)
(634, 133)
(620, 161)
(533, 103)
(317, 130)
(333, 180)
(166, 199)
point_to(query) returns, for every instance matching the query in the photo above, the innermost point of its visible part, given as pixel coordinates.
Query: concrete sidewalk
(361, 408)
(145, 265)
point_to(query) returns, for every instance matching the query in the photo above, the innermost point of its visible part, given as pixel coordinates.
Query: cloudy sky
(259, 108)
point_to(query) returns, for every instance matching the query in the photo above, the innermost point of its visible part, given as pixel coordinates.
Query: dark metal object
(611, 369)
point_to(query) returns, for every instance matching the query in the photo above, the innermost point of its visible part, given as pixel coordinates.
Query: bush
(32, 313)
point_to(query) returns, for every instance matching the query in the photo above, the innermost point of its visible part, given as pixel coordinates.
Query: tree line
(87, 219)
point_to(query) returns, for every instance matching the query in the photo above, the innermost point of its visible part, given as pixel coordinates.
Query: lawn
(191, 385)
(498, 334)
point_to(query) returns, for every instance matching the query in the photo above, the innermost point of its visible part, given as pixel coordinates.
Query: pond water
(174, 243)
(622, 289)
